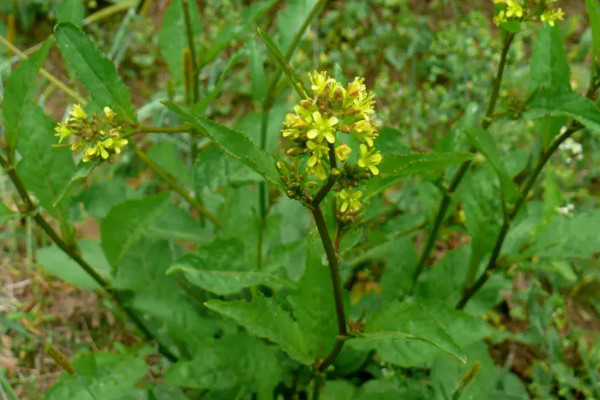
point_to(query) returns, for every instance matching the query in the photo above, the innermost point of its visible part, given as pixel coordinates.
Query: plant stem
(55, 81)
(108, 11)
(492, 263)
(172, 183)
(73, 253)
(463, 168)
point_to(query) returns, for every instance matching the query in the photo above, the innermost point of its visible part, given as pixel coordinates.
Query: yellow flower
(363, 104)
(89, 153)
(118, 144)
(350, 200)
(369, 159)
(318, 82)
(356, 87)
(500, 18)
(77, 112)
(551, 16)
(317, 151)
(62, 131)
(317, 170)
(342, 152)
(366, 130)
(322, 128)
(109, 114)
(514, 9)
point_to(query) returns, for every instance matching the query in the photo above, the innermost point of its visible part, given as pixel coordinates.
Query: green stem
(172, 183)
(157, 129)
(463, 168)
(73, 253)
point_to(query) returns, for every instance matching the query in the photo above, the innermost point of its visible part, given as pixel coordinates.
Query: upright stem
(73, 253)
(169, 180)
(463, 168)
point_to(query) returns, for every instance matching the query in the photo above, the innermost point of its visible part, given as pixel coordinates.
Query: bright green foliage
(96, 72)
(72, 11)
(549, 63)
(265, 318)
(18, 94)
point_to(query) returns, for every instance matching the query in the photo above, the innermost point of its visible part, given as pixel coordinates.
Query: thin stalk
(493, 261)
(463, 168)
(492, 265)
(73, 253)
(172, 183)
(190, 43)
(55, 81)
(108, 11)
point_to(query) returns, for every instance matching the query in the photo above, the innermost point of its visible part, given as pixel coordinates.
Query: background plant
(452, 257)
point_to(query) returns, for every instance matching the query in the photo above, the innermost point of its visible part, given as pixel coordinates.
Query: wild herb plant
(280, 260)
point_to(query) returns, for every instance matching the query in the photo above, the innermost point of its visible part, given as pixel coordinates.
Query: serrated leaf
(313, 304)
(557, 101)
(396, 166)
(264, 318)
(549, 63)
(483, 141)
(234, 360)
(406, 335)
(236, 144)
(593, 9)
(95, 70)
(127, 222)
(102, 375)
(45, 171)
(223, 282)
(18, 94)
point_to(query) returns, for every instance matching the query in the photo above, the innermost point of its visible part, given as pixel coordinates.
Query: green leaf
(223, 282)
(96, 71)
(337, 390)
(100, 376)
(6, 213)
(283, 64)
(406, 335)
(593, 9)
(72, 11)
(549, 63)
(396, 166)
(59, 264)
(231, 361)
(44, 170)
(257, 71)
(483, 141)
(167, 156)
(18, 94)
(127, 222)
(236, 144)
(553, 101)
(172, 36)
(264, 318)
(313, 304)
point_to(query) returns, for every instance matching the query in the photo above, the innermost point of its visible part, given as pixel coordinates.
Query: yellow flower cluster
(99, 137)
(326, 128)
(519, 10)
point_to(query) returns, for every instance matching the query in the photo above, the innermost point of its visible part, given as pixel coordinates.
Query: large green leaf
(264, 318)
(406, 335)
(222, 282)
(313, 304)
(96, 71)
(58, 263)
(553, 101)
(127, 222)
(18, 94)
(290, 20)
(172, 36)
(549, 63)
(231, 361)
(396, 166)
(234, 143)
(71, 11)
(45, 171)
(100, 376)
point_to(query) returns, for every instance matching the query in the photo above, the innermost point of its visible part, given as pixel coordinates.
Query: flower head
(342, 152)
(317, 151)
(62, 131)
(551, 16)
(78, 113)
(322, 128)
(369, 159)
(350, 200)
